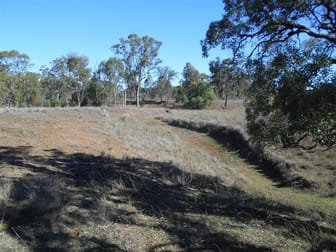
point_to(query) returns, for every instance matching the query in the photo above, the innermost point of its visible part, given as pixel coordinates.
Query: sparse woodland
(240, 160)
(134, 73)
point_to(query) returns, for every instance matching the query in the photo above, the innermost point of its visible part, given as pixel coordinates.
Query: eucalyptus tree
(291, 98)
(14, 67)
(55, 84)
(140, 58)
(163, 86)
(14, 62)
(69, 75)
(290, 48)
(111, 75)
(78, 74)
(227, 78)
(30, 90)
(258, 26)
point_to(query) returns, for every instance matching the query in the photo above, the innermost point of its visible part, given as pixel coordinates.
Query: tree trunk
(78, 99)
(125, 98)
(226, 99)
(137, 95)
(115, 95)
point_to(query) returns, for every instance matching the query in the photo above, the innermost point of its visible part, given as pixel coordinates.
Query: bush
(195, 91)
(291, 98)
(196, 96)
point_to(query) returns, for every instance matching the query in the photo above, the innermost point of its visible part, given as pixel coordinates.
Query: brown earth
(52, 129)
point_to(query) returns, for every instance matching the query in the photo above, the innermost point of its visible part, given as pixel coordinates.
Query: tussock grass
(6, 187)
(44, 196)
(153, 187)
(314, 169)
(7, 243)
(261, 185)
(137, 204)
(233, 115)
(161, 145)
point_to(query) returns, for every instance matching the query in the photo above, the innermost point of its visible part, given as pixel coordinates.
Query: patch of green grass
(3, 225)
(259, 233)
(258, 184)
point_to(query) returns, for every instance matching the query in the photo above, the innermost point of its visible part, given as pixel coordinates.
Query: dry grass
(302, 168)
(5, 192)
(120, 180)
(316, 167)
(233, 115)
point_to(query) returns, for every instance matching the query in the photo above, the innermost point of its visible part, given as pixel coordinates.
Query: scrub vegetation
(82, 169)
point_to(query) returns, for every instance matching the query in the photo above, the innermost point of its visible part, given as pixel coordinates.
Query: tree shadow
(234, 140)
(39, 212)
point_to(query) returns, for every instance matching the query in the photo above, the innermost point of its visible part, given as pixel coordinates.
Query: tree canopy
(18, 86)
(290, 48)
(163, 86)
(68, 76)
(111, 74)
(256, 26)
(227, 78)
(140, 57)
(195, 91)
(292, 97)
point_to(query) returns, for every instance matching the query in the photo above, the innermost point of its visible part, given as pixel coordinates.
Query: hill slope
(120, 180)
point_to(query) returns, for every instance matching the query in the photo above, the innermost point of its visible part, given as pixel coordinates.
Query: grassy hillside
(96, 179)
(310, 169)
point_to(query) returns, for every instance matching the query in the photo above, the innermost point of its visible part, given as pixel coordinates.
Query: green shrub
(197, 96)
(290, 99)
(203, 99)
(195, 91)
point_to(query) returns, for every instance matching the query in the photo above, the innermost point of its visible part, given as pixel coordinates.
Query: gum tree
(256, 26)
(69, 75)
(227, 79)
(163, 86)
(78, 74)
(18, 86)
(290, 48)
(111, 74)
(140, 58)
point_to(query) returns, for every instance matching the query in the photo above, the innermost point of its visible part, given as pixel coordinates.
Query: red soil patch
(64, 130)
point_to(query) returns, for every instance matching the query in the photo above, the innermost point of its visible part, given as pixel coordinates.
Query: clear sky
(48, 29)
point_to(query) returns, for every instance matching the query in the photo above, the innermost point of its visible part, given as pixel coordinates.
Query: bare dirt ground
(51, 129)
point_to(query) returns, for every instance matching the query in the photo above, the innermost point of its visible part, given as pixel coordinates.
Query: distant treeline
(69, 81)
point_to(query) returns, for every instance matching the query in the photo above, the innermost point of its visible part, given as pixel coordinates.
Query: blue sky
(48, 29)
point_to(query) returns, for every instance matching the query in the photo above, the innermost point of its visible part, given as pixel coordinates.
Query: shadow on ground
(62, 191)
(235, 140)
